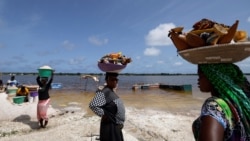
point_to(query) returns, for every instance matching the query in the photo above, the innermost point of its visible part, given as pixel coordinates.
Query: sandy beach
(18, 122)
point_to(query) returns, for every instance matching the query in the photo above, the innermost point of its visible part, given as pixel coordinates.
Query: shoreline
(73, 123)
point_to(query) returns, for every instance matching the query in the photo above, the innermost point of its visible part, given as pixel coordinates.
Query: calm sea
(78, 92)
(125, 81)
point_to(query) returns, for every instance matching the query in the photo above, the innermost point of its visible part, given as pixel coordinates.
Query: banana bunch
(206, 32)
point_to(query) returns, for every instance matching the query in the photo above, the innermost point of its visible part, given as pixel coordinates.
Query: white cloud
(178, 63)
(248, 19)
(35, 18)
(67, 45)
(159, 35)
(96, 41)
(160, 62)
(76, 61)
(148, 66)
(151, 51)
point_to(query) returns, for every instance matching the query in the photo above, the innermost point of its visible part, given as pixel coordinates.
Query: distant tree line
(78, 73)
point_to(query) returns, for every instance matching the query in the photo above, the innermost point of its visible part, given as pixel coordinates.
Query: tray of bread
(211, 42)
(113, 62)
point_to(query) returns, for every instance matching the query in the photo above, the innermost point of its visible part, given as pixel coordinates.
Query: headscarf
(231, 85)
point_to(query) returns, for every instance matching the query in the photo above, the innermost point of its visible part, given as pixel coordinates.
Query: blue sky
(72, 35)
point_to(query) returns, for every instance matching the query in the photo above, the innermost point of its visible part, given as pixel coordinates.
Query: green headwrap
(229, 81)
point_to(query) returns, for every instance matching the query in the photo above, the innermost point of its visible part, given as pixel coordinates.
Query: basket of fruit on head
(211, 42)
(113, 62)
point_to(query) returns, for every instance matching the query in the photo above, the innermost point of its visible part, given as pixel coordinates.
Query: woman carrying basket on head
(44, 99)
(225, 116)
(110, 108)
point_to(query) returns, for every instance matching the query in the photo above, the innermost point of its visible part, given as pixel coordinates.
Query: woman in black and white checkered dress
(110, 108)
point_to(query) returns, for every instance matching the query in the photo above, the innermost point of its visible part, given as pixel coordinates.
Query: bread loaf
(240, 36)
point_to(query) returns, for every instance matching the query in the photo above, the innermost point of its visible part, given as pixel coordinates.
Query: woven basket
(110, 67)
(222, 53)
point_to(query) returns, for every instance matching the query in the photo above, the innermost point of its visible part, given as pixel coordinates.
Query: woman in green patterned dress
(225, 116)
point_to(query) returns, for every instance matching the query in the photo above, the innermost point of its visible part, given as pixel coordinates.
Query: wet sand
(155, 99)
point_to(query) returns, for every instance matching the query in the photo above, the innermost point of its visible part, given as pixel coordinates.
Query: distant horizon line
(78, 73)
(101, 73)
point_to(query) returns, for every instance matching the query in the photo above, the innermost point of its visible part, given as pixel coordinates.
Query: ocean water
(77, 92)
(125, 81)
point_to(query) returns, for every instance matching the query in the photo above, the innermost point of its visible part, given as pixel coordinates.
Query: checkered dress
(102, 99)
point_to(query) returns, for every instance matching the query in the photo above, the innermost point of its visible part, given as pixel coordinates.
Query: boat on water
(184, 87)
(145, 86)
(56, 85)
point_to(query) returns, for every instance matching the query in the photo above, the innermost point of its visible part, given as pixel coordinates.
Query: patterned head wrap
(232, 86)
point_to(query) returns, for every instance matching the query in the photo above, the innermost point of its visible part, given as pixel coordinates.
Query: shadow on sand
(26, 119)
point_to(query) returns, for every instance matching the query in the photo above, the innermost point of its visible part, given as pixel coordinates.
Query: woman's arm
(38, 81)
(211, 130)
(97, 102)
(50, 80)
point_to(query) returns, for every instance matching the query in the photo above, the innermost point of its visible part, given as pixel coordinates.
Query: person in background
(2, 87)
(23, 91)
(110, 108)
(225, 116)
(43, 99)
(12, 82)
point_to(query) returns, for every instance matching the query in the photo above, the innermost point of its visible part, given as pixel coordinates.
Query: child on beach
(225, 116)
(109, 106)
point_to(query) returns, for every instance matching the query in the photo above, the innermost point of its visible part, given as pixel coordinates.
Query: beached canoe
(145, 86)
(185, 87)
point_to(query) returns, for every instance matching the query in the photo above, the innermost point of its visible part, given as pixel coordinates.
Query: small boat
(56, 85)
(145, 86)
(185, 87)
